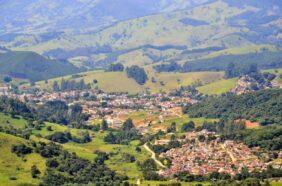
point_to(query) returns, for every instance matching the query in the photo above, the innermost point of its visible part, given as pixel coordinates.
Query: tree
(49, 128)
(35, 171)
(253, 68)
(127, 125)
(7, 79)
(137, 73)
(201, 138)
(95, 81)
(56, 87)
(231, 71)
(116, 67)
(172, 128)
(187, 127)
(138, 149)
(104, 125)
(21, 150)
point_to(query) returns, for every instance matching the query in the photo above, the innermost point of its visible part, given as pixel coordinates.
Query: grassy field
(12, 166)
(17, 122)
(218, 87)
(107, 81)
(119, 82)
(242, 50)
(170, 81)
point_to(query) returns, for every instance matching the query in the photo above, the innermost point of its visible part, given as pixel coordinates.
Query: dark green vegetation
(66, 85)
(125, 135)
(264, 60)
(64, 167)
(137, 73)
(267, 137)
(263, 106)
(52, 111)
(116, 67)
(245, 178)
(239, 64)
(29, 65)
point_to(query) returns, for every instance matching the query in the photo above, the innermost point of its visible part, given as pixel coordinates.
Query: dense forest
(53, 111)
(263, 106)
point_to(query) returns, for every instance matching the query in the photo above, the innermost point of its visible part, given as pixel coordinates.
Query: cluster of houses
(201, 158)
(109, 106)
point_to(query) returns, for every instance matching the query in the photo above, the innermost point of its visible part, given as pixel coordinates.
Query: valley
(138, 92)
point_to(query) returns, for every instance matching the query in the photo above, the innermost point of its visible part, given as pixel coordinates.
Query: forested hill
(32, 66)
(263, 105)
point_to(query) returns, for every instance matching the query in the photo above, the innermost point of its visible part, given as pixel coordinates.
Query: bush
(21, 150)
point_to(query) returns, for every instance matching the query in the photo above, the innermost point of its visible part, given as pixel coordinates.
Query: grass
(119, 82)
(276, 183)
(107, 81)
(242, 50)
(218, 87)
(175, 80)
(185, 119)
(17, 122)
(13, 166)
(87, 150)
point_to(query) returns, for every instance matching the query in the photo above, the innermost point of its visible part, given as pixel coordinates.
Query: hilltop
(32, 66)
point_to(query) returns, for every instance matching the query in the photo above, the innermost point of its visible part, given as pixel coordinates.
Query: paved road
(153, 156)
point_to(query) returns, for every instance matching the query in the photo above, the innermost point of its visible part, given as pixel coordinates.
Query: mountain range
(94, 34)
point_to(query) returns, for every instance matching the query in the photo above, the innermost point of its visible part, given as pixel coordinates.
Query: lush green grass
(13, 166)
(6, 120)
(274, 183)
(107, 81)
(87, 150)
(119, 82)
(218, 87)
(175, 80)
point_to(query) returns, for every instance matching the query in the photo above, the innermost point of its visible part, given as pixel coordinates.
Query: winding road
(153, 156)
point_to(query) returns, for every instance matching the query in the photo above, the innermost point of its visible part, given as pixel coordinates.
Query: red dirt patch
(251, 125)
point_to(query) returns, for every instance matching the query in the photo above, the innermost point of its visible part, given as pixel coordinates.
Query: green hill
(119, 82)
(173, 31)
(32, 66)
(16, 170)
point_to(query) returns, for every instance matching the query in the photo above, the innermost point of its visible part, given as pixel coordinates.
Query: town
(206, 157)
(151, 114)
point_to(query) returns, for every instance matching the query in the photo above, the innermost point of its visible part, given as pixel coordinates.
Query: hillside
(32, 66)
(119, 82)
(17, 168)
(79, 15)
(161, 33)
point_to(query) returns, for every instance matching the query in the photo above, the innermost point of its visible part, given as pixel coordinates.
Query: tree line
(66, 85)
(263, 106)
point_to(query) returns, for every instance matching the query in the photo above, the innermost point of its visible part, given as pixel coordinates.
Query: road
(153, 156)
